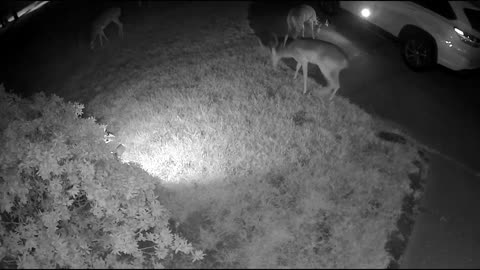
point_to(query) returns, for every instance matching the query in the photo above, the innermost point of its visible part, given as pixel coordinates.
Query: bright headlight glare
(365, 12)
(467, 38)
(460, 32)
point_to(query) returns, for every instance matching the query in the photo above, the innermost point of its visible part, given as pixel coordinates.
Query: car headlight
(467, 38)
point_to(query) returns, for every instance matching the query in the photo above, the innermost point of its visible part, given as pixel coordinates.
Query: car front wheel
(418, 52)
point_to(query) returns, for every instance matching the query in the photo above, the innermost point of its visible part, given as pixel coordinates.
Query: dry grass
(260, 175)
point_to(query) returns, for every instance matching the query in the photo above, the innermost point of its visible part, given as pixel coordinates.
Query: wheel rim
(416, 53)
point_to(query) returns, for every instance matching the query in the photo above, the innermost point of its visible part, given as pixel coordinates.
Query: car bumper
(459, 56)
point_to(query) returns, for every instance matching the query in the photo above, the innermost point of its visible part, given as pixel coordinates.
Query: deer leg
(299, 65)
(92, 43)
(120, 27)
(324, 89)
(331, 76)
(313, 33)
(260, 42)
(335, 83)
(102, 34)
(305, 75)
(290, 25)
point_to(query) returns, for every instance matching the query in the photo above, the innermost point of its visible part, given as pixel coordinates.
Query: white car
(443, 32)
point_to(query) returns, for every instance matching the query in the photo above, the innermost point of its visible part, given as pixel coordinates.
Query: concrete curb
(398, 239)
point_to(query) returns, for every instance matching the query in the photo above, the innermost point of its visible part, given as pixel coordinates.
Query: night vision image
(239, 134)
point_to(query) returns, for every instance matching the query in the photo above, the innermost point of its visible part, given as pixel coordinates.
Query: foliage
(65, 201)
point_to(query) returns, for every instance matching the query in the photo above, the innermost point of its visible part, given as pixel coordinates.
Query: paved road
(438, 108)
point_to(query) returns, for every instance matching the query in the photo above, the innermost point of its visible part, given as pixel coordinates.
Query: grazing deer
(296, 19)
(102, 21)
(329, 58)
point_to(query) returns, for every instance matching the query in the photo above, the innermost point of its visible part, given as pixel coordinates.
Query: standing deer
(102, 21)
(296, 19)
(329, 58)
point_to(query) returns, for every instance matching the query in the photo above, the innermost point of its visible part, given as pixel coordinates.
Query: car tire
(418, 51)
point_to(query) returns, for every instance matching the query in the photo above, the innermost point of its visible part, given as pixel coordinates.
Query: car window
(442, 8)
(473, 17)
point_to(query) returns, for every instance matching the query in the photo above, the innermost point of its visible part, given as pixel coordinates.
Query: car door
(393, 15)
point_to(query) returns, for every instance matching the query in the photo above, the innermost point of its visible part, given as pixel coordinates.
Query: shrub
(66, 202)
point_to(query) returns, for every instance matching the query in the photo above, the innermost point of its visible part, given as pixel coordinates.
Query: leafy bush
(65, 201)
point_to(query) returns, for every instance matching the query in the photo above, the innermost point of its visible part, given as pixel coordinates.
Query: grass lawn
(256, 173)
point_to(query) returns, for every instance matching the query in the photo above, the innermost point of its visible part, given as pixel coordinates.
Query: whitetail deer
(102, 21)
(296, 19)
(329, 58)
